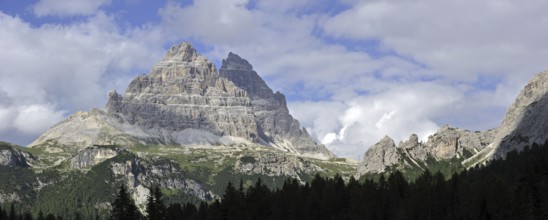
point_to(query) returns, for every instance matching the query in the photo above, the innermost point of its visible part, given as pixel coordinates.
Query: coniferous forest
(514, 188)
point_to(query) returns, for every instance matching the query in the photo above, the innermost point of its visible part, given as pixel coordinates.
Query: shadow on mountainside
(533, 128)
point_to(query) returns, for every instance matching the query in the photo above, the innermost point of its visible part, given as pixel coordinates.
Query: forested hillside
(515, 188)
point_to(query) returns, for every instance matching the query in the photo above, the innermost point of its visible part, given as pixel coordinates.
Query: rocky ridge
(12, 157)
(446, 144)
(271, 164)
(140, 174)
(525, 123)
(184, 101)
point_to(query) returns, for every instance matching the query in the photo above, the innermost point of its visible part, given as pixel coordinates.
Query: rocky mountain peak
(411, 143)
(183, 52)
(526, 121)
(379, 157)
(386, 142)
(184, 101)
(241, 73)
(233, 61)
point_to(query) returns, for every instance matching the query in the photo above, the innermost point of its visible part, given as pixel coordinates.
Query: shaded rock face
(13, 158)
(526, 121)
(241, 73)
(183, 101)
(274, 123)
(525, 124)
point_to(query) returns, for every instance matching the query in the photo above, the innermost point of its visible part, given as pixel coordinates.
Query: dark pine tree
(124, 207)
(12, 215)
(50, 217)
(175, 212)
(27, 216)
(232, 206)
(41, 216)
(155, 208)
(2, 213)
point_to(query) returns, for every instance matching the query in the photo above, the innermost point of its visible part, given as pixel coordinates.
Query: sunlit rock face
(446, 144)
(184, 100)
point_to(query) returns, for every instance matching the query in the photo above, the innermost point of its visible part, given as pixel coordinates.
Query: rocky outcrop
(379, 157)
(272, 164)
(275, 125)
(93, 155)
(451, 142)
(446, 144)
(140, 175)
(525, 124)
(11, 157)
(184, 101)
(84, 129)
(526, 121)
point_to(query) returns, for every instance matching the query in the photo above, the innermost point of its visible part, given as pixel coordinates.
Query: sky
(353, 71)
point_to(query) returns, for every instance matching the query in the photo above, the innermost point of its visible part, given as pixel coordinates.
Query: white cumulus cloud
(35, 119)
(55, 69)
(352, 126)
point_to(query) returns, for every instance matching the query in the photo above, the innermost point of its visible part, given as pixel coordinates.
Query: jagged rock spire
(240, 72)
(183, 52)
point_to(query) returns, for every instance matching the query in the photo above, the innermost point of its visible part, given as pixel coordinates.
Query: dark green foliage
(155, 208)
(124, 207)
(26, 215)
(78, 192)
(248, 159)
(50, 217)
(515, 188)
(19, 181)
(12, 215)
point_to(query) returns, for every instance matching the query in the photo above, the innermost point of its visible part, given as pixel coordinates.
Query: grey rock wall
(183, 100)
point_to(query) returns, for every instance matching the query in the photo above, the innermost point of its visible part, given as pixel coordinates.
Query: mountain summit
(183, 100)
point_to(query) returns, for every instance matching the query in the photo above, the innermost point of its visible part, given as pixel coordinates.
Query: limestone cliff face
(526, 121)
(11, 157)
(140, 174)
(183, 100)
(379, 157)
(182, 92)
(275, 125)
(446, 144)
(451, 142)
(93, 155)
(271, 164)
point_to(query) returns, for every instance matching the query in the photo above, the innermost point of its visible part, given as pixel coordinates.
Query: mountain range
(190, 128)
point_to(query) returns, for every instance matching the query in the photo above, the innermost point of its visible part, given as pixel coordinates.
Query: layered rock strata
(183, 100)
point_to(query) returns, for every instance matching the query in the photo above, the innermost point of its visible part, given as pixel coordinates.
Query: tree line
(514, 188)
